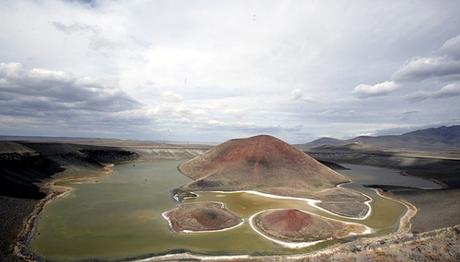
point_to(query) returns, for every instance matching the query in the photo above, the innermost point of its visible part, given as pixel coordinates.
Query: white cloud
(299, 95)
(444, 66)
(237, 113)
(380, 89)
(452, 47)
(49, 75)
(10, 70)
(170, 96)
(447, 91)
(441, 68)
(296, 94)
(423, 68)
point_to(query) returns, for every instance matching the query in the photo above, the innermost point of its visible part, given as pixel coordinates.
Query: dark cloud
(74, 28)
(96, 38)
(61, 90)
(59, 97)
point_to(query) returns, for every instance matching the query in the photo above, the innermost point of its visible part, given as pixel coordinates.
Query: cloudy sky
(207, 71)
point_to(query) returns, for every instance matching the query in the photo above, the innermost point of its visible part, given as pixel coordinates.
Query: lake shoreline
(430, 204)
(21, 248)
(393, 244)
(405, 220)
(180, 253)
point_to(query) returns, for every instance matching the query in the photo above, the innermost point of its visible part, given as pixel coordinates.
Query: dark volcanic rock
(109, 155)
(20, 173)
(332, 165)
(21, 170)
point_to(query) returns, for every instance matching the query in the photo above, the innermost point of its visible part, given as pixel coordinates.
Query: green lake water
(119, 216)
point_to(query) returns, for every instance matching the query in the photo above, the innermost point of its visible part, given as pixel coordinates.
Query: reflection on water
(120, 216)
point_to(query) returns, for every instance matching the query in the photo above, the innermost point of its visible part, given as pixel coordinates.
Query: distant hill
(325, 141)
(431, 139)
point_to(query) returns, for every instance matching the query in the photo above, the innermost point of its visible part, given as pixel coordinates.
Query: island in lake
(201, 217)
(266, 164)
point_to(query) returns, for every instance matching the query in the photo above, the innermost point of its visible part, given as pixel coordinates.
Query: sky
(208, 71)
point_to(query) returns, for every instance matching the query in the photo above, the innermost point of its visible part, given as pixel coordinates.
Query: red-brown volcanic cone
(258, 162)
(295, 225)
(201, 216)
(289, 220)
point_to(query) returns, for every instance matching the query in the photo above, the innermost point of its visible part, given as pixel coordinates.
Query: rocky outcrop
(23, 165)
(109, 155)
(438, 245)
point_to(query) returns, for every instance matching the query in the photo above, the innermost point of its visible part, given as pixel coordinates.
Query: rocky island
(266, 164)
(201, 217)
(301, 228)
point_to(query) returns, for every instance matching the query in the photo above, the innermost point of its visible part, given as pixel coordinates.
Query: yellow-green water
(120, 216)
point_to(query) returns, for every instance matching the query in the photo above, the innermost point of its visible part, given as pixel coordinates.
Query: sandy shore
(21, 249)
(405, 221)
(13, 214)
(438, 245)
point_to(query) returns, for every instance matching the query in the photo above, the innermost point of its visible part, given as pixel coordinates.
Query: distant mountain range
(431, 139)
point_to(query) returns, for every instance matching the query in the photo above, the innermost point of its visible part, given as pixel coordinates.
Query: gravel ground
(13, 212)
